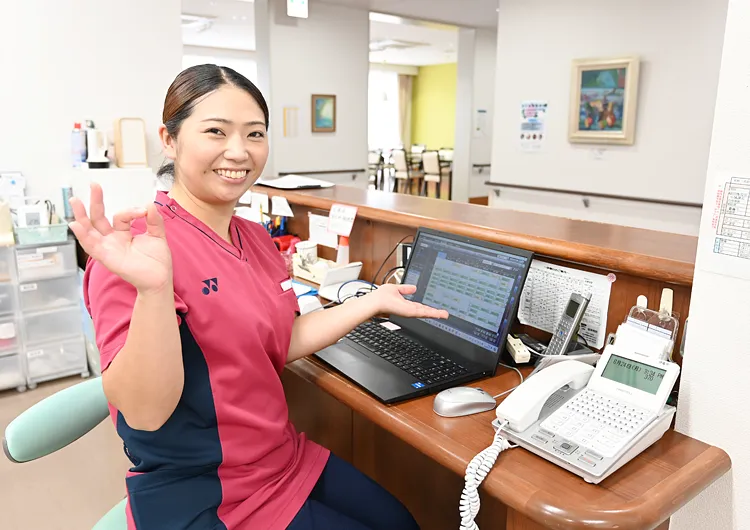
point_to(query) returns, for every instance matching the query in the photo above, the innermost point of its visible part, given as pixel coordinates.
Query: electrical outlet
(402, 254)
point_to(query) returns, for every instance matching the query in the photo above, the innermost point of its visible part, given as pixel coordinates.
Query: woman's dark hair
(191, 85)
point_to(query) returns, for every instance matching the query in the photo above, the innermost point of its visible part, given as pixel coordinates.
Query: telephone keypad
(597, 422)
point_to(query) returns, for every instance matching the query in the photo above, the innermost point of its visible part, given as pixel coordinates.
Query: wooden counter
(421, 457)
(644, 253)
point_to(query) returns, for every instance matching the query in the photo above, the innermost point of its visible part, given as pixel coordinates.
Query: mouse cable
(510, 389)
(476, 471)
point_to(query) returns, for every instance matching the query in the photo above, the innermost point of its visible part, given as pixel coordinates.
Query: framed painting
(603, 101)
(323, 113)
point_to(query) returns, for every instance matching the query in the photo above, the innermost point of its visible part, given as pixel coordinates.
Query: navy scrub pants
(346, 499)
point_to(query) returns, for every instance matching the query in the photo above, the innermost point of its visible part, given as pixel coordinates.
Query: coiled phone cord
(476, 471)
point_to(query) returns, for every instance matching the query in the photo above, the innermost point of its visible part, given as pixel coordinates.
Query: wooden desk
(421, 457)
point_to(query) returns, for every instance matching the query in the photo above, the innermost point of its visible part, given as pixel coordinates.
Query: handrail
(593, 194)
(284, 173)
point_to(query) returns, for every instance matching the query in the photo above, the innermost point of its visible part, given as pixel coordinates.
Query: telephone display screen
(572, 308)
(634, 374)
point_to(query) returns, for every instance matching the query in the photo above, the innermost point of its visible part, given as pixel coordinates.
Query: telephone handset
(568, 325)
(522, 408)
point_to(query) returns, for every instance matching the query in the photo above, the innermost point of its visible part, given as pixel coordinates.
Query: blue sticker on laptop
(418, 385)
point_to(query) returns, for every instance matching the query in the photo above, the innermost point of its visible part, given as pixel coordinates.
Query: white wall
(64, 62)
(324, 54)
(714, 389)
(680, 47)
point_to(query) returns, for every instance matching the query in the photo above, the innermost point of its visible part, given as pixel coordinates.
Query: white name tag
(286, 285)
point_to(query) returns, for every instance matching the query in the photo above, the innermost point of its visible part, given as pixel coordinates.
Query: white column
(714, 390)
(464, 105)
(263, 58)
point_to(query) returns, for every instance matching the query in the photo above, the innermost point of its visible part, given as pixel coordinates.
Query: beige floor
(68, 490)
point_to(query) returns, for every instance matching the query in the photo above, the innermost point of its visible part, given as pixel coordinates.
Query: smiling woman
(195, 318)
(215, 126)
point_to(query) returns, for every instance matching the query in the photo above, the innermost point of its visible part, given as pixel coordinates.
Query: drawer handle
(28, 287)
(34, 354)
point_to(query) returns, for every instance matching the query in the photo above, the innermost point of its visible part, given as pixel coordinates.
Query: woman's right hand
(143, 260)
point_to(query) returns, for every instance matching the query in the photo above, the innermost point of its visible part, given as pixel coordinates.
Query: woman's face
(221, 148)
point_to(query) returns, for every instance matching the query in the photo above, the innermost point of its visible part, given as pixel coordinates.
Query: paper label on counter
(341, 219)
(248, 213)
(259, 201)
(280, 206)
(319, 231)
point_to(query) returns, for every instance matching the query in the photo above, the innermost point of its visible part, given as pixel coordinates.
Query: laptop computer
(478, 282)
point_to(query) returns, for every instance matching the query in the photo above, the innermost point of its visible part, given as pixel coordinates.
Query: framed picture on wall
(603, 101)
(323, 113)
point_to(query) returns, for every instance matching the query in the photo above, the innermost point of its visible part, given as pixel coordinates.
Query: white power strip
(518, 350)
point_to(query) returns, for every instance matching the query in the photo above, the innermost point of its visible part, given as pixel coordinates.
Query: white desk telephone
(590, 421)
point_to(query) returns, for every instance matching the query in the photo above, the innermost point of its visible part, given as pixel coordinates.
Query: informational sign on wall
(724, 239)
(296, 8)
(532, 130)
(480, 123)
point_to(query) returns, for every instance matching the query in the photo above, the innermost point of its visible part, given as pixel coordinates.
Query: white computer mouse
(462, 401)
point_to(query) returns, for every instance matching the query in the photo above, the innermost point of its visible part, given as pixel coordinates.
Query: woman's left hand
(389, 299)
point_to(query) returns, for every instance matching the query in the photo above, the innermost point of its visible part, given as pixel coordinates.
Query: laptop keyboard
(426, 365)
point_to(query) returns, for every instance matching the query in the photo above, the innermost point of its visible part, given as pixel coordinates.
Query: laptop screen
(477, 285)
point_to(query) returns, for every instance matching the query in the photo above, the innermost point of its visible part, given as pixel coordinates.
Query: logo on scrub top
(212, 284)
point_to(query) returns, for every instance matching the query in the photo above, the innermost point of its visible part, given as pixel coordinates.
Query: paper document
(249, 213)
(319, 231)
(533, 116)
(294, 182)
(724, 238)
(259, 201)
(546, 294)
(341, 219)
(280, 206)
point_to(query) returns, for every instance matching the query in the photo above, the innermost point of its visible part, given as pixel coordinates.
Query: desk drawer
(6, 264)
(47, 326)
(11, 371)
(35, 263)
(7, 298)
(52, 359)
(8, 334)
(48, 294)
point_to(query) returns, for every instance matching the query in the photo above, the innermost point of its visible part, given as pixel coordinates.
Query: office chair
(56, 422)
